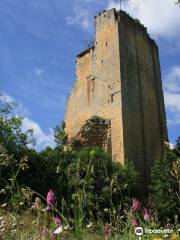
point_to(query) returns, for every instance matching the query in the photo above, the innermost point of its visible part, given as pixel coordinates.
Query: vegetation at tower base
(90, 189)
(165, 185)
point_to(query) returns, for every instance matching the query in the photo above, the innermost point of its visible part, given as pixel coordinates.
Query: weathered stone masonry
(119, 80)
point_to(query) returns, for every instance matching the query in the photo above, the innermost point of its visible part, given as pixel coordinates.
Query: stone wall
(97, 87)
(119, 79)
(144, 121)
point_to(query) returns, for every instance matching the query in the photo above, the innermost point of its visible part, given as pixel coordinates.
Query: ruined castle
(119, 80)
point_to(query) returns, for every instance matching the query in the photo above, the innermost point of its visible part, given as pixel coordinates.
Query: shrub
(165, 185)
(100, 185)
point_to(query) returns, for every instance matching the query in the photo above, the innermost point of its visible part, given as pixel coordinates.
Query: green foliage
(10, 169)
(89, 186)
(13, 147)
(165, 185)
(59, 135)
(48, 170)
(100, 185)
(11, 135)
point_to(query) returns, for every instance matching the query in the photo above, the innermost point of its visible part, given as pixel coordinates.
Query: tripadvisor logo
(139, 231)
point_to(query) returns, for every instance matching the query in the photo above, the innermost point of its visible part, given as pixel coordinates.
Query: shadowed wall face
(119, 79)
(144, 121)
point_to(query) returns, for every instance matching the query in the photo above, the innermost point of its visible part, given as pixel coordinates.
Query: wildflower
(57, 232)
(57, 221)
(3, 191)
(89, 225)
(146, 214)
(134, 222)
(3, 205)
(50, 199)
(136, 205)
(67, 227)
(174, 236)
(106, 210)
(107, 231)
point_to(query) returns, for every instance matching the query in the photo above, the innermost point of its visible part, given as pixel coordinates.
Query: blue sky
(39, 40)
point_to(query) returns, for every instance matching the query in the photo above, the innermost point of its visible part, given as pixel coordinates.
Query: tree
(11, 135)
(165, 185)
(60, 136)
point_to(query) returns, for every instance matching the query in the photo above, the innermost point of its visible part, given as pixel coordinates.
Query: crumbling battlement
(119, 79)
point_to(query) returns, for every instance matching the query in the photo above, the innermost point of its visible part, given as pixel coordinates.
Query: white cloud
(172, 80)
(81, 17)
(113, 4)
(39, 72)
(42, 139)
(162, 17)
(172, 94)
(19, 108)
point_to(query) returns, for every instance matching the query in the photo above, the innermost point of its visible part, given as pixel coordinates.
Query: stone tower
(119, 79)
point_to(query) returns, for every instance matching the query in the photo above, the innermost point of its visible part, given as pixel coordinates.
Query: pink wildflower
(146, 214)
(57, 221)
(50, 199)
(57, 232)
(59, 228)
(136, 205)
(134, 223)
(107, 231)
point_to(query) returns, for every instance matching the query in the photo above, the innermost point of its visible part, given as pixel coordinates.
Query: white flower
(3, 205)
(67, 227)
(106, 210)
(89, 225)
(3, 191)
(58, 230)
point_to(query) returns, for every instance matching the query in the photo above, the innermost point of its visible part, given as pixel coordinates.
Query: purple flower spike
(134, 223)
(57, 221)
(136, 205)
(146, 214)
(50, 199)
